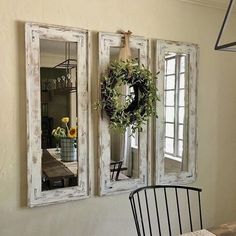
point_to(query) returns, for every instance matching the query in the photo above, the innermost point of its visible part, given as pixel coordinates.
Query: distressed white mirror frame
(192, 50)
(106, 186)
(33, 33)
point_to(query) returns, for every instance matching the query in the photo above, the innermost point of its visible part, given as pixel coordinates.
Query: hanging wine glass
(63, 81)
(54, 84)
(58, 82)
(69, 81)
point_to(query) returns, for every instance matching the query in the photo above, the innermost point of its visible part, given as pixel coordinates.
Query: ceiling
(220, 4)
(56, 47)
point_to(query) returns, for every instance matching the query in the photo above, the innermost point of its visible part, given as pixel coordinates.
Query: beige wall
(166, 19)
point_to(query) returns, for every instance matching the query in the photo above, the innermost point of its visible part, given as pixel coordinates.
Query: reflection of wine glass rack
(65, 84)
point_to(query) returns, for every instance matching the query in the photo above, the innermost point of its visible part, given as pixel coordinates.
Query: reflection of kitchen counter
(72, 165)
(55, 170)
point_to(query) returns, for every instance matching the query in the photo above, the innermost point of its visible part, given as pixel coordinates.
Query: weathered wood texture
(192, 51)
(33, 33)
(106, 41)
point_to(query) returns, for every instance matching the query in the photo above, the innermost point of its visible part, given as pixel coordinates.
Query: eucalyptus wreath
(130, 109)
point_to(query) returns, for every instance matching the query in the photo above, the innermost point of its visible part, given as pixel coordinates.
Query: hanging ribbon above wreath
(125, 52)
(132, 106)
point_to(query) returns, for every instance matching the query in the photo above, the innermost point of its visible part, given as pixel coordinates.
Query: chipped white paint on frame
(106, 187)
(33, 33)
(189, 176)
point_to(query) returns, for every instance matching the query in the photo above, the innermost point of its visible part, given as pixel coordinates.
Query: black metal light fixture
(227, 46)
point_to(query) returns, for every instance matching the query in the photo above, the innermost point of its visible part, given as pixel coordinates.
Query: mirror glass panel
(175, 112)
(124, 163)
(58, 85)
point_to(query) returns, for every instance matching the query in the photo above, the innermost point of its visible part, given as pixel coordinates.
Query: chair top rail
(164, 186)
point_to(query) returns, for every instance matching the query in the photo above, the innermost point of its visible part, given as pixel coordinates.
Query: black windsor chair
(166, 210)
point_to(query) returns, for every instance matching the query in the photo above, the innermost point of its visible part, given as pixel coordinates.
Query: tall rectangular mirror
(123, 156)
(176, 137)
(57, 110)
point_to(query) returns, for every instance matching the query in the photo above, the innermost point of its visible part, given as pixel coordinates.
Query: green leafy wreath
(132, 109)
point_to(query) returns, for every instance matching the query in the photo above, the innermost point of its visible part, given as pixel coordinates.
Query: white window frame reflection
(175, 72)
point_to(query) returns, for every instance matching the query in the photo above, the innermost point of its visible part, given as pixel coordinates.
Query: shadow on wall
(226, 140)
(21, 110)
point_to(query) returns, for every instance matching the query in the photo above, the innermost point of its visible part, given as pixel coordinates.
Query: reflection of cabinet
(47, 127)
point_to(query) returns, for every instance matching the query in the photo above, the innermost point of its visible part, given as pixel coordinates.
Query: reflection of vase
(68, 149)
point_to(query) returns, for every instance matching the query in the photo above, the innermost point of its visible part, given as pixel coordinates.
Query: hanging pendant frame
(68, 64)
(228, 46)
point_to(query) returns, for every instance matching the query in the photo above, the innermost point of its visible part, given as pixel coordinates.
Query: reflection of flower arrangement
(59, 132)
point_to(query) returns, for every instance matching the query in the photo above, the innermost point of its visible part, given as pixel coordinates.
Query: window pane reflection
(170, 66)
(182, 64)
(181, 131)
(170, 98)
(180, 148)
(169, 114)
(170, 130)
(181, 115)
(182, 81)
(169, 145)
(170, 82)
(181, 97)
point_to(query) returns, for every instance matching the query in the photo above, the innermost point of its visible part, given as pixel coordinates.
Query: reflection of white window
(174, 95)
(134, 136)
(134, 140)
